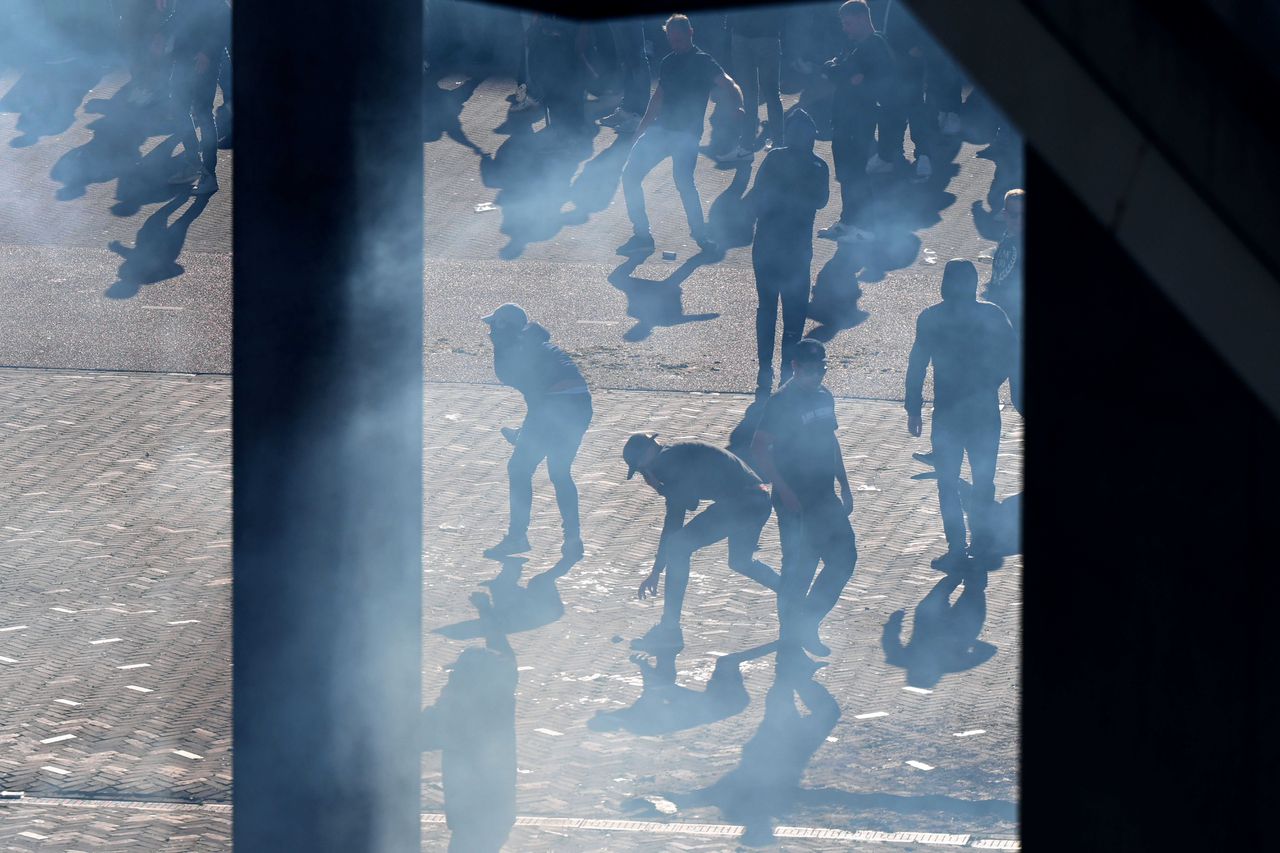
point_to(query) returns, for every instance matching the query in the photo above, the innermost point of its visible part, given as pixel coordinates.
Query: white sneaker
(523, 101)
(736, 154)
(924, 168)
(876, 166)
(833, 232)
(950, 124)
(854, 234)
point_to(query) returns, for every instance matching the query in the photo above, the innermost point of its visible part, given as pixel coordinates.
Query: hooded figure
(559, 410)
(972, 348)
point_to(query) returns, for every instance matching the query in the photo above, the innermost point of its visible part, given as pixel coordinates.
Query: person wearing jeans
(628, 44)
(757, 51)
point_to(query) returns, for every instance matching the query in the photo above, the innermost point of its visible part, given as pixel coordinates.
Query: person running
(864, 78)
(685, 474)
(559, 411)
(796, 449)
(199, 31)
(792, 186)
(672, 127)
(972, 348)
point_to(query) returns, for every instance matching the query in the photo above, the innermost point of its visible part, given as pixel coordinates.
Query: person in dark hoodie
(199, 31)
(559, 410)
(972, 348)
(791, 187)
(687, 473)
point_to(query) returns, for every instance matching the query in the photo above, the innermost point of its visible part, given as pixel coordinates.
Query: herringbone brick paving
(117, 489)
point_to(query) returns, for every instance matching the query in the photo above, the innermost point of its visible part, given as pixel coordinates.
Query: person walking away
(685, 474)
(558, 412)
(972, 348)
(672, 127)
(796, 448)
(792, 186)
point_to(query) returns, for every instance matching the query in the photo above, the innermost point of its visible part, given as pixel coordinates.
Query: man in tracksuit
(792, 186)
(972, 348)
(795, 447)
(687, 473)
(559, 410)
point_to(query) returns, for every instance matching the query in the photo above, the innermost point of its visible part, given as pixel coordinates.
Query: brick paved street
(127, 476)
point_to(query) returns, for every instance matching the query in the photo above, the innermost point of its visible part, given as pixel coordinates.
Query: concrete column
(327, 418)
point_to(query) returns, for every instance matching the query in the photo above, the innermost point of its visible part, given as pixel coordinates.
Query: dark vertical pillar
(1149, 638)
(327, 425)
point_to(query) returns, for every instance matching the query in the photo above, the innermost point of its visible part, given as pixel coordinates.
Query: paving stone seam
(588, 824)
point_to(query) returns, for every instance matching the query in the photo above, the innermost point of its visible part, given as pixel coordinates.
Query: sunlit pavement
(114, 632)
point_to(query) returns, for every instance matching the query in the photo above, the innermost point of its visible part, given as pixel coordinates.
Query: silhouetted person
(971, 346)
(685, 474)
(672, 127)
(199, 31)
(473, 723)
(795, 446)
(791, 187)
(628, 47)
(1005, 287)
(558, 412)
(865, 78)
(944, 637)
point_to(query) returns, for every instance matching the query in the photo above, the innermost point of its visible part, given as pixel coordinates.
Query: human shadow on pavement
(729, 219)
(112, 153)
(836, 291)
(765, 785)
(442, 109)
(473, 724)
(47, 96)
(154, 256)
(655, 303)
(533, 172)
(517, 608)
(665, 707)
(597, 183)
(944, 637)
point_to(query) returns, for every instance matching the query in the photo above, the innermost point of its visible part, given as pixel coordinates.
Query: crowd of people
(788, 463)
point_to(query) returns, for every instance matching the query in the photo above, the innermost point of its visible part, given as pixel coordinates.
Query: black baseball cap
(637, 445)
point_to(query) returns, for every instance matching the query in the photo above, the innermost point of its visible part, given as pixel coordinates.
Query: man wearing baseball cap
(558, 411)
(687, 473)
(972, 348)
(795, 446)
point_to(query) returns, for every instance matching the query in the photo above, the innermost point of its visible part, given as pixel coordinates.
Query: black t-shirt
(973, 349)
(691, 471)
(874, 60)
(803, 425)
(791, 187)
(531, 364)
(686, 80)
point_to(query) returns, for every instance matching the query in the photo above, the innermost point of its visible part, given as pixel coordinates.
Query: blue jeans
(655, 145)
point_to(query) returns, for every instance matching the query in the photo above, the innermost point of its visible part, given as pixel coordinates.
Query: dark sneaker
(512, 543)
(638, 244)
(660, 638)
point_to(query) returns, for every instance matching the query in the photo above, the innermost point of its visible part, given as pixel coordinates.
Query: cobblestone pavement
(114, 628)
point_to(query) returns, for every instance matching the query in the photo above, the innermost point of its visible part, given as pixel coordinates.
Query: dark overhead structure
(1152, 452)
